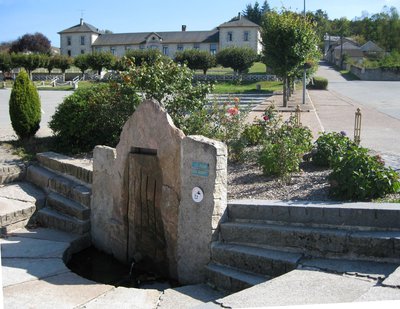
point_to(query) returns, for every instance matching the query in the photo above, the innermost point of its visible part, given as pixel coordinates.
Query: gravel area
(245, 181)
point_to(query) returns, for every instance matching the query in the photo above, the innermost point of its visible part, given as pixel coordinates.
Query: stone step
(230, 279)
(11, 172)
(53, 219)
(52, 182)
(67, 206)
(18, 202)
(384, 216)
(261, 261)
(81, 169)
(321, 242)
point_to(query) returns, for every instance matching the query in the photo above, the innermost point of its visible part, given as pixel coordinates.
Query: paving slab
(300, 287)
(368, 269)
(21, 247)
(61, 291)
(22, 191)
(378, 293)
(45, 234)
(125, 298)
(17, 270)
(188, 296)
(393, 279)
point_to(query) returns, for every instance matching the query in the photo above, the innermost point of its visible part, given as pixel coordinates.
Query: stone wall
(378, 74)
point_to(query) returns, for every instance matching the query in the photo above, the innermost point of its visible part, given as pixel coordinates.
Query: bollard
(357, 127)
(298, 115)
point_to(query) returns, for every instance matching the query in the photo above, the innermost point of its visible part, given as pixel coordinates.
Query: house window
(165, 50)
(229, 37)
(213, 49)
(69, 53)
(98, 49)
(142, 46)
(246, 36)
(82, 51)
(68, 40)
(82, 40)
(180, 47)
(112, 50)
(196, 46)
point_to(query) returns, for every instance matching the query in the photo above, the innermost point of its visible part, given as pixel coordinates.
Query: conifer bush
(24, 107)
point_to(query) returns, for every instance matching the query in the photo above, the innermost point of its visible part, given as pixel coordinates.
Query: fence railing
(242, 77)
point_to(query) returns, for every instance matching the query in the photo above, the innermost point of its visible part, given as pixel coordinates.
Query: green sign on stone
(200, 169)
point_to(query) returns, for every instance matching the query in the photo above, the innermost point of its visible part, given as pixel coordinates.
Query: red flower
(266, 118)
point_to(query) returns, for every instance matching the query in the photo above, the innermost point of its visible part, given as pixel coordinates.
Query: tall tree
(290, 42)
(255, 12)
(36, 43)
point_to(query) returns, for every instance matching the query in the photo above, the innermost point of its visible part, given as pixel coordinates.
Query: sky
(19, 17)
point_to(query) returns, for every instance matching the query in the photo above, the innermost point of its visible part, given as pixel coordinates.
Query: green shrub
(284, 148)
(359, 176)
(253, 134)
(329, 146)
(25, 112)
(93, 116)
(319, 83)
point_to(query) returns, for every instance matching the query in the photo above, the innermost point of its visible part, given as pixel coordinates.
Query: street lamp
(305, 69)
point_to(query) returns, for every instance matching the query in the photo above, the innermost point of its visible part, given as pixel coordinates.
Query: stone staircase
(260, 241)
(67, 184)
(246, 101)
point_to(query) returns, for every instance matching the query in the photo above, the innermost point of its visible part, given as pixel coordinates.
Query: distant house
(336, 48)
(370, 49)
(85, 38)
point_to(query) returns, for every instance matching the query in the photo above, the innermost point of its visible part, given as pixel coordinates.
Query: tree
(139, 56)
(196, 59)
(62, 62)
(98, 61)
(29, 62)
(255, 13)
(35, 43)
(289, 42)
(5, 62)
(24, 107)
(82, 62)
(239, 59)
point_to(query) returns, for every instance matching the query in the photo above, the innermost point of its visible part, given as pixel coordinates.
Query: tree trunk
(285, 90)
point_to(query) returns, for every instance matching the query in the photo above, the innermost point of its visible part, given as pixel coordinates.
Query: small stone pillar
(203, 203)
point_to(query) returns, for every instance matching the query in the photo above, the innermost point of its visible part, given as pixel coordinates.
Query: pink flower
(233, 111)
(266, 118)
(236, 99)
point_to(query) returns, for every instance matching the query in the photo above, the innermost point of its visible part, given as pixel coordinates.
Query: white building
(85, 38)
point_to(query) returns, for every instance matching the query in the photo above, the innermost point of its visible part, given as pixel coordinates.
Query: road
(49, 100)
(380, 95)
(380, 106)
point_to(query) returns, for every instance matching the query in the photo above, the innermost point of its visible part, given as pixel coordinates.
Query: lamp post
(305, 70)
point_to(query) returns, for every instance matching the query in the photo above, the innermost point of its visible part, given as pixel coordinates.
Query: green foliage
(61, 62)
(284, 146)
(93, 116)
(5, 62)
(330, 146)
(240, 59)
(82, 62)
(318, 82)
(289, 42)
(99, 60)
(25, 113)
(359, 176)
(253, 134)
(170, 84)
(254, 13)
(139, 56)
(196, 59)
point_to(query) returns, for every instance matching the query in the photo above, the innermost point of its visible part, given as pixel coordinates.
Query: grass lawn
(257, 68)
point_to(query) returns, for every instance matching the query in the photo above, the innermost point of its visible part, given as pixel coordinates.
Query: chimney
(183, 27)
(81, 22)
(239, 16)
